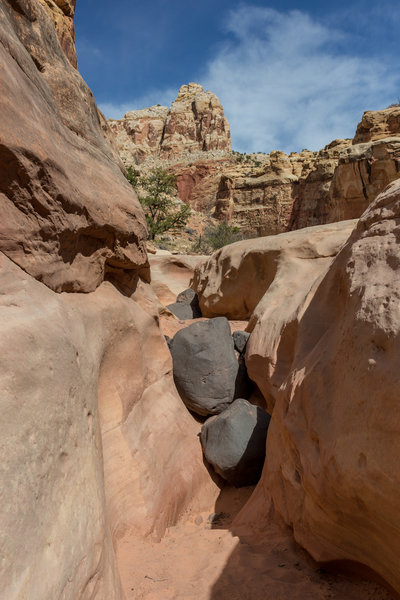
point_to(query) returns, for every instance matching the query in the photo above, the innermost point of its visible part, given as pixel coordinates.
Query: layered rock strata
(69, 218)
(265, 194)
(195, 122)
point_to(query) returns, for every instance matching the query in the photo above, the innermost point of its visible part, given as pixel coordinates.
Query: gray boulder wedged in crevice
(240, 339)
(234, 442)
(205, 366)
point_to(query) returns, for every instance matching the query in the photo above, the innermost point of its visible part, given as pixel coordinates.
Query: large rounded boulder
(234, 442)
(205, 366)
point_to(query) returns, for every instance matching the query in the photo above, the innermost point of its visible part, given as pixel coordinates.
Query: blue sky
(290, 75)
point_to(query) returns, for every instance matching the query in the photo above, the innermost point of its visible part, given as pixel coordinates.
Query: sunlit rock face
(263, 194)
(323, 349)
(69, 218)
(378, 124)
(195, 122)
(332, 469)
(234, 280)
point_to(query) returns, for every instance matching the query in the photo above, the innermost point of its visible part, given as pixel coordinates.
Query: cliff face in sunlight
(195, 122)
(263, 194)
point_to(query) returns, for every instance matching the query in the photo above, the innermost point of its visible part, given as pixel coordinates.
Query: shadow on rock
(268, 564)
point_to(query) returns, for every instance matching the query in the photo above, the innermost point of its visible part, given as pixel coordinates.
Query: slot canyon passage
(104, 489)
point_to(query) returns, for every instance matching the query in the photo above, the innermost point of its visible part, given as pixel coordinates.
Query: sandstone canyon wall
(87, 397)
(335, 476)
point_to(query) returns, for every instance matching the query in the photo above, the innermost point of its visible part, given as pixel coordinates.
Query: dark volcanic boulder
(240, 340)
(205, 365)
(234, 442)
(186, 305)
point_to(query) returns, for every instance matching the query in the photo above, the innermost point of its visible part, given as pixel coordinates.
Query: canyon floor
(201, 559)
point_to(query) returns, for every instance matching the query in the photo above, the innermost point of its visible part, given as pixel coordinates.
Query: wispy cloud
(287, 82)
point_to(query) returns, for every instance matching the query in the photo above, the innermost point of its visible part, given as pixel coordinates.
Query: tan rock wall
(234, 280)
(332, 468)
(378, 124)
(96, 444)
(364, 170)
(69, 217)
(324, 350)
(93, 434)
(62, 14)
(264, 194)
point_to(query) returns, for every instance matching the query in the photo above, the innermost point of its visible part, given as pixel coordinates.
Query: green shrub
(217, 236)
(157, 195)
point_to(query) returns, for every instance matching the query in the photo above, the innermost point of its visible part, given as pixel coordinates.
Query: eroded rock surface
(377, 124)
(235, 278)
(85, 378)
(69, 218)
(87, 414)
(195, 122)
(170, 274)
(267, 194)
(335, 431)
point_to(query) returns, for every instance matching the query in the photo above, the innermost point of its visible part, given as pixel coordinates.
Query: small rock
(182, 310)
(240, 340)
(234, 442)
(198, 520)
(186, 296)
(186, 305)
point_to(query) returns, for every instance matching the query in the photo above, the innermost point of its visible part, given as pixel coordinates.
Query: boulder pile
(211, 377)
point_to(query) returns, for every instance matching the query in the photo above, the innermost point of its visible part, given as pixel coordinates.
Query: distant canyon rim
(105, 491)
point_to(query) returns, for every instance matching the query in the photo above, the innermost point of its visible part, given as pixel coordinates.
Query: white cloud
(286, 83)
(116, 110)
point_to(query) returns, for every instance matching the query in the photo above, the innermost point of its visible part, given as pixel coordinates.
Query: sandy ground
(200, 559)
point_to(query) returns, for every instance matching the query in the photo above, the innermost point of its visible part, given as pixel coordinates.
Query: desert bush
(157, 195)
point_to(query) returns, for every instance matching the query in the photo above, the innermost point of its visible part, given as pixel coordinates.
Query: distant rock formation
(378, 124)
(263, 194)
(195, 122)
